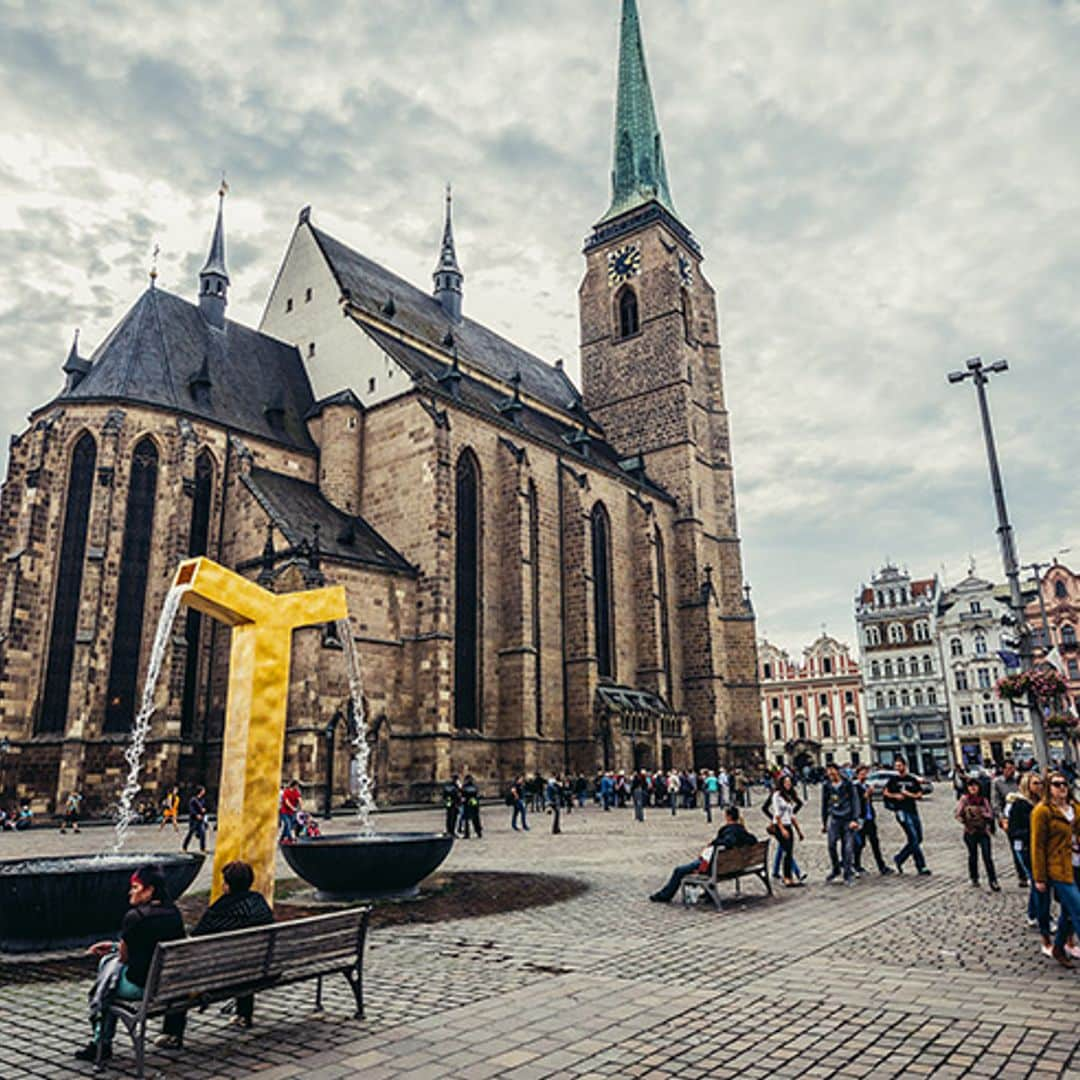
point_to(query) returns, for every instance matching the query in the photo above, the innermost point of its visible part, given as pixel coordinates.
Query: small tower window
(311, 348)
(628, 313)
(307, 296)
(371, 385)
(288, 304)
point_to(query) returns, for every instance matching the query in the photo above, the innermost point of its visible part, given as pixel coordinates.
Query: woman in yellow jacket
(1055, 856)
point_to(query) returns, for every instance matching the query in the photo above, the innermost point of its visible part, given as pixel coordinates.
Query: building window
(875, 670)
(628, 312)
(849, 697)
(1059, 590)
(307, 296)
(802, 729)
(879, 700)
(662, 600)
(916, 695)
(54, 703)
(777, 733)
(198, 540)
(467, 568)
(966, 717)
(888, 669)
(922, 631)
(873, 635)
(1073, 668)
(826, 728)
(371, 385)
(975, 606)
(823, 700)
(897, 635)
(826, 665)
(1068, 634)
(767, 670)
(901, 667)
(853, 730)
(798, 701)
(131, 591)
(927, 665)
(288, 304)
(905, 698)
(602, 592)
(983, 675)
(931, 695)
(961, 679)
(687, 316)
(1020, 715)
(980, 644)
(956, 647)
(855, 757)
(534, 598)
(311, 348)
(892, 699)
(776, 704)
(990, 715)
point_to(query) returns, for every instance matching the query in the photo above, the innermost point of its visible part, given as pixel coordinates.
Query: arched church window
(1059, 589)
(54, 702)
(467, 593)
(131, 591)
(198, 539)
(628, 312)
(602, 593)
(662, 599)
(534, 589)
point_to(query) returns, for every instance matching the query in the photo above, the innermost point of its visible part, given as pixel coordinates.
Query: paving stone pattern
(897, 976)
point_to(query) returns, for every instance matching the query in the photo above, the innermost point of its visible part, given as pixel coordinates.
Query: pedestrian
(25, 819)
(288, 809)
(868, 833)
(639, 790)
(170, 810)
(711, 788)
(673, 786)
(197, 819)
(470, 810)
(451, 796)
(724, 780)
(740, 788)
(975, 813)
(1024, 802)
(71, 812)
(902, 795)
(784, 806)
(517, 800)
(1055, 851)
(581, 789)
(1004, 789)
(841, 814)
(732, 834)
(607, 790)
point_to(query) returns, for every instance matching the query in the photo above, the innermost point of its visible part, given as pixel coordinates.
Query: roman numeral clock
(623, 264)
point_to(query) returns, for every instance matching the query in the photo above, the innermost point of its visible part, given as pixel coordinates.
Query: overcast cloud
(881, 191)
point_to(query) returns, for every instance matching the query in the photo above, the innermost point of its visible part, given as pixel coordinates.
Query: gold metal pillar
(262, 623)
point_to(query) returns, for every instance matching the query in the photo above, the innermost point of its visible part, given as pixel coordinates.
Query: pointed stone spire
(75, 367)
(214, 278)
(639, 175)
(448, 275)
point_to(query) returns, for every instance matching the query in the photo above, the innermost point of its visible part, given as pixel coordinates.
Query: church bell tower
(652, 378)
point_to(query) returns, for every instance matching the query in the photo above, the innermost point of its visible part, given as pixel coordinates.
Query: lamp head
(974, 363)
(957, 376)
(999, 365)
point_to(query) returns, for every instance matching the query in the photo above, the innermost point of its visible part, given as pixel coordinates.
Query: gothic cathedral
(540, 578)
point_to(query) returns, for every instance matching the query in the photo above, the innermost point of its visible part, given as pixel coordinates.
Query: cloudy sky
(881, 191)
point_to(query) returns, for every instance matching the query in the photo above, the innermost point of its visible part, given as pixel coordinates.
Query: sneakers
(240, 1022)
(168, 1042)
(1061, 956)
(898, 864)
(973, 884)
(888, 870)
(90, 1050)
(924, 871)
(1033, 923)
(656, 898)
(1022, 883)
(832, 879)
(1046, 950)
(995, 887)
(1073, 951)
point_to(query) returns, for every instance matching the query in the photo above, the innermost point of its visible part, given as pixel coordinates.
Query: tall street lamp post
(980, 376)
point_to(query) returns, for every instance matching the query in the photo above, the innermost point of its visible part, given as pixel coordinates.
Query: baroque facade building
(538, 578)
(906, 703)
(813, 713)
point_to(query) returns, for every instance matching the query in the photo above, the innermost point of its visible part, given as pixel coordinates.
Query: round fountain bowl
(358, 867)
(63, 902)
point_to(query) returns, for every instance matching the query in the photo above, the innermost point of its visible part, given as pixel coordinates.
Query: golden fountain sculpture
(262, 623)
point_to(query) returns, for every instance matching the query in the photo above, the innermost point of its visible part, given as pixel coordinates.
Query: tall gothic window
(628, 312)
(131, 594)
(80, 489)
(665, 631)
(534, 587)
(467, 594)
(198, 539)
(687, 311)
(601, 563)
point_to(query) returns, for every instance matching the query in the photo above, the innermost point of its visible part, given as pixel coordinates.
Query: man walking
(288, 810)
(841, 813)
(868, 833)
(451, 795)
(902, 794)
(1006, 785)
(517, 800)
(638, 792)
(197, 818)
(712, 790)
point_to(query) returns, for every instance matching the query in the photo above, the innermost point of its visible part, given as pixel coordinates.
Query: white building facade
(813, 713)
(906, 695)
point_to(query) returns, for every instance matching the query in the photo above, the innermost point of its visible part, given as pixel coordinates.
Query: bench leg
(764, 874)
(318, 994)
(714, 896)
(138, 1036)
(356, 981)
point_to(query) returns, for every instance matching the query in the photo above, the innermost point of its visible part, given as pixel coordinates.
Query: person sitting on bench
(732, 834)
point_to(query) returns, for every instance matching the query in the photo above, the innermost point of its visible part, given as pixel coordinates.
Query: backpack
(509, 798)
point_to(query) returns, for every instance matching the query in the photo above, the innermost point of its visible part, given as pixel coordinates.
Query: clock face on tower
(623, 263)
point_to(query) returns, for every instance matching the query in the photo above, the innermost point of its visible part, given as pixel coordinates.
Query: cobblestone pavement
(897, 976)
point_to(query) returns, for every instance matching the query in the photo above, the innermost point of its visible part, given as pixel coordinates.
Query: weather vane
(223, 190)
(153, 264)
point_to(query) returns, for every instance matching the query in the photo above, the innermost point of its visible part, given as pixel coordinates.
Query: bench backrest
(284, 951)
(731, 860)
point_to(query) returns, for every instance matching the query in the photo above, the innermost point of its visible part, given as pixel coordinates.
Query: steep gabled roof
(300, 511)
(163, 352)
(370, 287)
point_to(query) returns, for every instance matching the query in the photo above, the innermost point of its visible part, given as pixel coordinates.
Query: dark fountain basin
(357, 867)
(63, 902)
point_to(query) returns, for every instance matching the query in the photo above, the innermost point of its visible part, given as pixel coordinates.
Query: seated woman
(732, 834)
(125, 964)
(236, 909)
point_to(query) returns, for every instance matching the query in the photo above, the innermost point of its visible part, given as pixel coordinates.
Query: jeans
(911, 823)
(977, 842)
(581, 799)
(842, 835)
(673, 798)
(1068, 896)
(197, 829)
(639, 805)
(287, 826)
(708, 806)
(519, 808)
(1038, 902)
(778, 856)
(1022, 874)
(672, 886)
(868, 834)
(787, 851)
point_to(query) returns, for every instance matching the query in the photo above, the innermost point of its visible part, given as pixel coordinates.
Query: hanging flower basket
(1044, 683)
(1064, 724)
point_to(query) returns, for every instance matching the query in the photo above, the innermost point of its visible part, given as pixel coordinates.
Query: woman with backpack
(784, 805)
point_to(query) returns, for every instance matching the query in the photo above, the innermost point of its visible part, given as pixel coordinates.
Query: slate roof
(297, 507)
(369, 286)
(165, 353)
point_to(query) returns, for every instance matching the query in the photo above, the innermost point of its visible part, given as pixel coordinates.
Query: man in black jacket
(732, 834)
(868, 834)
(841, 813)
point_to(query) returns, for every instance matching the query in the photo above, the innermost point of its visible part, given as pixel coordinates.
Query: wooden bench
(191, 973)
(731, 864)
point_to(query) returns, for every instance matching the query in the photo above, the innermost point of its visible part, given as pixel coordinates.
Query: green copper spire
(639, 175)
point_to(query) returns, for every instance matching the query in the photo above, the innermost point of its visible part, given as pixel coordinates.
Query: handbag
(772, 829)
